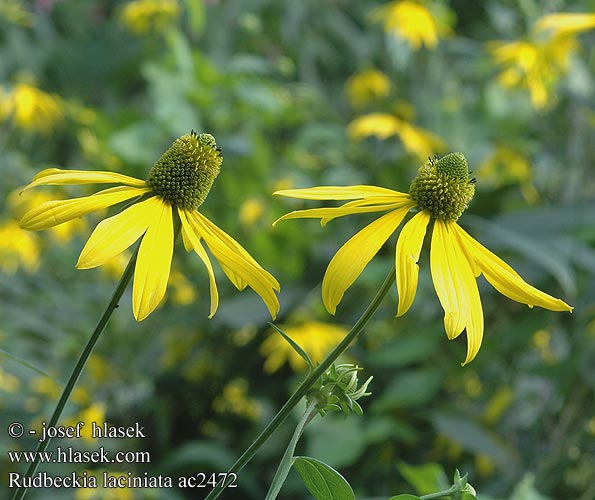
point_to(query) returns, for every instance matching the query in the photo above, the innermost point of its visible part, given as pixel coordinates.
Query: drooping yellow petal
(407, 256)
(115, 234)
(351, 259)
(57, 176)
(326, 214)
(190, 236)
(503, 277)
(475, 322)
(52, 213)
(339, 192)
(450, 287)
(154, 259)
(235, 259)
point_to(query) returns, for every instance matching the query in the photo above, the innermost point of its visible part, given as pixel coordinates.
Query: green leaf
(295, 345)
(424, 479)
(404, 497)
(196, 15)
(324, 482)
(26, 364)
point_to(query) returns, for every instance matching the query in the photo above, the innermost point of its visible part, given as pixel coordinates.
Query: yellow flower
(566, 23)
(366, 86)
(165, 203)
(14, 12)
(234, 399)
(316, 338)
(411, 21)
(30, 108)
(92, 413)
(251, 212)
(144, 16)
(20, 203)
(17, 248)
(8, 382)
(537, 64)
(416, 140)
(183, 291)
(505, 166)
(440, 193)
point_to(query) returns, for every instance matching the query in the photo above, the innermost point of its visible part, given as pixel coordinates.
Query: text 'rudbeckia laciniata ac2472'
(439, 194)
(169, 199)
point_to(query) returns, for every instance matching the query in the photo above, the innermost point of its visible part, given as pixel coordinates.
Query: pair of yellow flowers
(179, 182)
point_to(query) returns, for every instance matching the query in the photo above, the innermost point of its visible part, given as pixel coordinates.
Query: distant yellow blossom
(566, 23)
(316, 338)
(49, 387)
(367, 86)
(505, 166)
(251, 212)
(30, 109)
(92, 413)
(18, 248)
(182, 291)
(8, 382)
(21, 202)
(234, 399)
(416, 140)
(145, 16)
(411, 21)
(14, 12)
(537, 63)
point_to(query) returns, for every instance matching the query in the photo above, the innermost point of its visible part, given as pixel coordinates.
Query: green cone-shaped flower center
(185, 172)
(443, 187)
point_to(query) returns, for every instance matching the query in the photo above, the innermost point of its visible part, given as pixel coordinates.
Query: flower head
(412, 21)
(30, 108)
(177, 185)
(367, 86)
(416, 140)
(144, 16)
(440, 193)
(538, 62)
(337, 390)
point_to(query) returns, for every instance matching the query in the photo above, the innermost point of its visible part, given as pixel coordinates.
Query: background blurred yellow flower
(566, 23)
(367, 86)
(316, 338)
(30, 108)
(145, 16)
(21, 202)
(505, 166)
(14, 12)
(411, 21)
(416, 140)
(234, 399)
(182, 293)
(18, 248)
(95, 412)
(536, 64)
(251, 212)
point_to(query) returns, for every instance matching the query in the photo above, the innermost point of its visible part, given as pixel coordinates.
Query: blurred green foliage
(98, 85)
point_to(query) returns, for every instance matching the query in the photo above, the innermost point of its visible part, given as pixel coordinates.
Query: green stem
(441, 494)
(305, 386)
(287, 460)
(80, 364)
